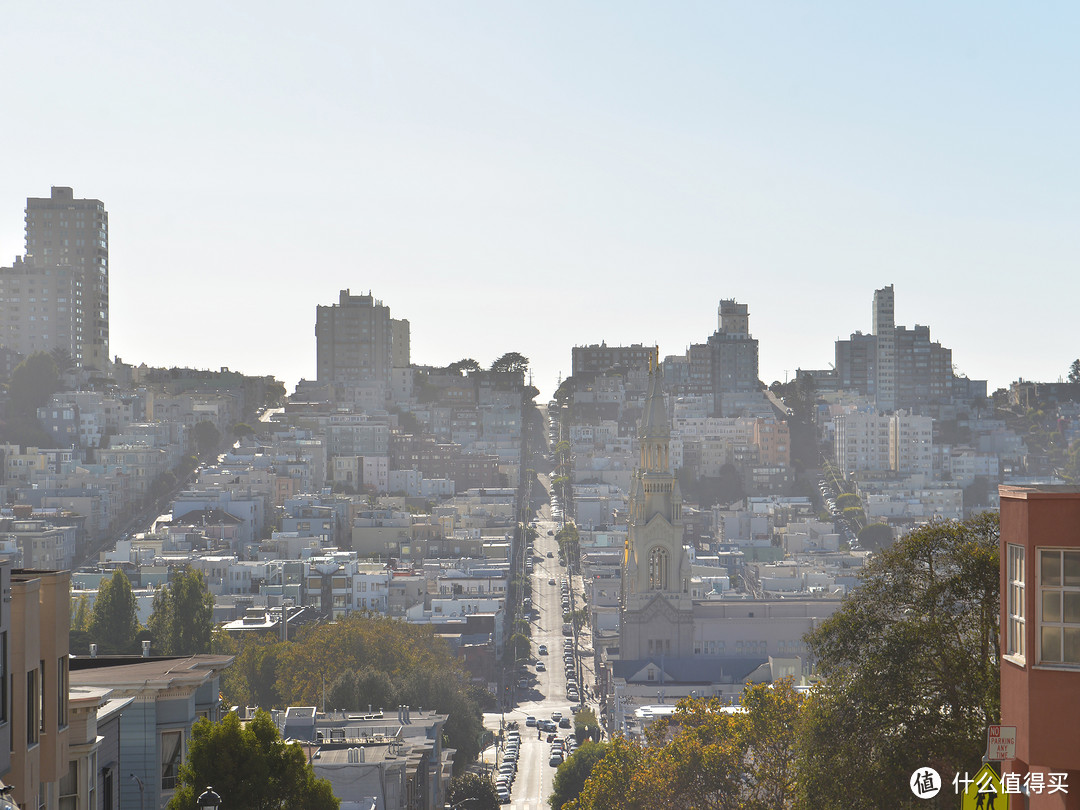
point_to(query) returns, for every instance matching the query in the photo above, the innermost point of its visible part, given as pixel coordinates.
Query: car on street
(540, 666)
(556, 716)
(542, 649)
(530, 720)
(564, 723)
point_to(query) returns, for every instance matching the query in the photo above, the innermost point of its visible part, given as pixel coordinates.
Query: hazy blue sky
(530, 176)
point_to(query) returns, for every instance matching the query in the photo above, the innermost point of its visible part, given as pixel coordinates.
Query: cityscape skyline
(611, 175)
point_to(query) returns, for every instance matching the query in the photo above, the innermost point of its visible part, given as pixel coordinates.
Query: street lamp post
(209, 799)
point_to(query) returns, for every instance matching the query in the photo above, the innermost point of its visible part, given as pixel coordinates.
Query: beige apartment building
(37, 708)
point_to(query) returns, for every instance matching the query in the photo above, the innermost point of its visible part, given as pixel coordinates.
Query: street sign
(1001, 743)
(985, 792)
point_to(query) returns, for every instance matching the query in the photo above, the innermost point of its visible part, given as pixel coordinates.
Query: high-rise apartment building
(896, 367)
(64, 232)
(600, 358)
(733, 354)
(885, 338)
(356, 341)
(42, 307)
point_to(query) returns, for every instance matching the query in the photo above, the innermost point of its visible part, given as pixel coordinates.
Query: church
(657, 608)
(673, 640)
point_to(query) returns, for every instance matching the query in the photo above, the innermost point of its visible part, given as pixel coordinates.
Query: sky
(527, 177)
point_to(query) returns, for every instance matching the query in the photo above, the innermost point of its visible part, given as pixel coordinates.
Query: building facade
(65, 232)
(1040, 637)
(354, 341)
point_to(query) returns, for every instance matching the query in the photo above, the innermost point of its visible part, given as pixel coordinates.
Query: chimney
(146, 648)
(93, 650)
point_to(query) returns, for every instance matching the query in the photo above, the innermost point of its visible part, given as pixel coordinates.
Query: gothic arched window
(658, 569)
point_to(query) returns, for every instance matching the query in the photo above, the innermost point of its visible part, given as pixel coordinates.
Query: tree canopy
(114, 621)
(473, 791)
(572, 774)
(363, 659)
(705, 756)
(910, 669)
(875, 536)
(511, 361)
(464, 366)
(1074, 371)
(251, 765)
(33, 381)
(206, 436)
(183, 618)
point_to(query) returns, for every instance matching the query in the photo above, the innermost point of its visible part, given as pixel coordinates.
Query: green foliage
(80, 617)
(876, 536)
(206, 437)
(463, 366)
(910, 670)
(183, 618)
(704, 756)
(848, 500)
(383, 654)
(250, 766)
(511, 361)
(586, 725)
(1074, 371)
(572, 774)
(33, 381)
(114, 621)
(569, 540)
(472, 792)
(517, 648)
(242, 430)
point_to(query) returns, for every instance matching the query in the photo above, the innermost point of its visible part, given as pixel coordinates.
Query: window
(658, 569)
(171, 756)
(62, 691)
(1015, 575)
(33, 725)
(69, 787)
(1059, 606)
(3, 678)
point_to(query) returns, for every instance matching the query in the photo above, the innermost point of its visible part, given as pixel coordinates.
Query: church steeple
(654, 430)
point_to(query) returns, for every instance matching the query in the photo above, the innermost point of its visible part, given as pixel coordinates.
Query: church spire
(654, 419)
(654, 430)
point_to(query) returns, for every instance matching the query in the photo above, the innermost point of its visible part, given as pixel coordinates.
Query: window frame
(1016, 601)
(1061, 590)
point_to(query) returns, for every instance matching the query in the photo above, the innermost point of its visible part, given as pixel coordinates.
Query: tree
(464, 366)
(473, 792)
(586, 725)
(114, 621)
(33, 381)
(704, 756)
(511, 361)
(876, 536)
(909, 668)
(251, 765)
(572, 774)
(1074, 371)
(848, 499)
(207, 437)
(183, 619)
(242, 430)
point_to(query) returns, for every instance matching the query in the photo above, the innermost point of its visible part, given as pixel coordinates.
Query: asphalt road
(546, 691)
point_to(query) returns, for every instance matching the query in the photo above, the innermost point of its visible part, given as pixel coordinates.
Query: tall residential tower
(63, 232)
